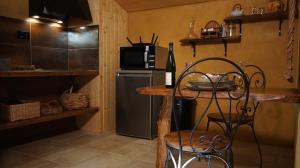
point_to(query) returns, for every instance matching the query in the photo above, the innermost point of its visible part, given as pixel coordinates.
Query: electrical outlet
(23, 35)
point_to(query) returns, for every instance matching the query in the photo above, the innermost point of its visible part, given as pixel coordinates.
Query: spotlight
(60, 22)
(31, 20)
(82, 28)
(55, 25)
(36, 16)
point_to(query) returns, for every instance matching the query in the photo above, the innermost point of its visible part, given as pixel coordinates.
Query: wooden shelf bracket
(194, 49)
(225, 47)
(280, 25)
(202, 41)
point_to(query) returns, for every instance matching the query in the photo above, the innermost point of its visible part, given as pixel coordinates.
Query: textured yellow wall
(260, 45)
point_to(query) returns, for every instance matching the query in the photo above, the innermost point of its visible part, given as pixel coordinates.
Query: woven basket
(22, 111)
(51, 107)
(73, 101)
(211, 30)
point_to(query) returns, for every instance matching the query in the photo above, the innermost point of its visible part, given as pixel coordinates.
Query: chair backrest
(257, 80)
(256, 75)
(214, 89)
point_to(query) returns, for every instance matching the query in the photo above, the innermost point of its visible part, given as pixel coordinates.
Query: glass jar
(231, 30)
(191, 34)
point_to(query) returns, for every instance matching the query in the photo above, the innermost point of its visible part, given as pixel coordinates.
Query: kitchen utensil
(237, 10)
(129, 41)
(152, 38)
(141, 43)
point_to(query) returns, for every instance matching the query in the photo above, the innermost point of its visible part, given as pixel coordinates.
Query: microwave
(143, 57)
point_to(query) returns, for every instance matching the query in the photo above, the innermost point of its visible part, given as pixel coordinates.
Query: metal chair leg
(258, 146)
(209, 161)
(222, 160)
(167, 159)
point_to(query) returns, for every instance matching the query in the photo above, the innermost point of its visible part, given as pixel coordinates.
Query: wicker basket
(73, 101)
(51, 107)
(211, 30)
(22, 111)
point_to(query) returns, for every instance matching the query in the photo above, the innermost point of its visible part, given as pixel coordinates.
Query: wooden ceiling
(138, 5)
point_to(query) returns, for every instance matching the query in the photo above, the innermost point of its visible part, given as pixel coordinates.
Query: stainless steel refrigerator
(136, 115)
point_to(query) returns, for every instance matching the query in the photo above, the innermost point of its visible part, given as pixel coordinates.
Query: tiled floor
(81, 150)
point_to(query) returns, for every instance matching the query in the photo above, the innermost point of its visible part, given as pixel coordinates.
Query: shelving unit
(32, 84)
(280, 16)
(47, 73)
(202, 41)
(46, 118)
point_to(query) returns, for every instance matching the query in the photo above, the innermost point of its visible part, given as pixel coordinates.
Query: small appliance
(145, 57)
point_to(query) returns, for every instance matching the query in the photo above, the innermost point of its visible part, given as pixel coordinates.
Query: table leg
(164, 127)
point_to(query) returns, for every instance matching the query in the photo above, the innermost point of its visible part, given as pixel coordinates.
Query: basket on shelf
(73, 101)
(51, 107)
(211, 30)
(275, 6)
(20, 110)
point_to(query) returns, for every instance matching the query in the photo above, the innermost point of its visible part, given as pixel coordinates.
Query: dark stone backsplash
(49, 48)
(50, 58)
(83, 59)
(86, 38)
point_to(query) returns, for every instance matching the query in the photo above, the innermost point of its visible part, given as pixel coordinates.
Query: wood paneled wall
(297, 117)
(14, 8)
(112, 20)
(134, 5)
(114, 30)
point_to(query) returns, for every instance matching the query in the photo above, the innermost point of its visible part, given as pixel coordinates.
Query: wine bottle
(170, 68)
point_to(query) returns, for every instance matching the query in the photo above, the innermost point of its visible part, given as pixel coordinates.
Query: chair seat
(234, 117)
(202, 141)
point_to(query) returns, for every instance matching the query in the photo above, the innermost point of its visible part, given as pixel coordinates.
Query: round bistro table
(279, 95)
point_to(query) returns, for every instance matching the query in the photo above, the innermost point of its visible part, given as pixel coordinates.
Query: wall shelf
(280, 16)
(202, 41)
(47, 73)
(257, 17)
(46, 118)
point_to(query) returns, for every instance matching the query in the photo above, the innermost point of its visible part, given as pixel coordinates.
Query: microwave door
(132, 58)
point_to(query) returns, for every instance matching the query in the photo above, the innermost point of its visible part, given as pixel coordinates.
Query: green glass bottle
(170, 68)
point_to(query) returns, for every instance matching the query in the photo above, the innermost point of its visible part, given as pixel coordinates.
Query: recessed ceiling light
(36, 16)
(32, 20)
(82, 28)
(60, 22)
(55, 25)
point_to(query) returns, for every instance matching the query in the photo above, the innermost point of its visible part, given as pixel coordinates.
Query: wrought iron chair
(203, 144)
(256, 79)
